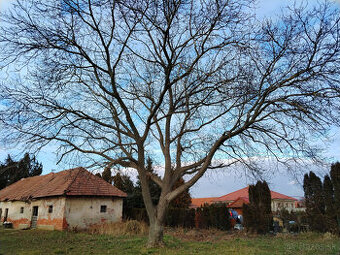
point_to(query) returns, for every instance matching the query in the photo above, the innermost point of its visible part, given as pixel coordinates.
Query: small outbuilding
(70, 199)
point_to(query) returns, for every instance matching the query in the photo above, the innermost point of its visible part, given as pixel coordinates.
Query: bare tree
(191, 81)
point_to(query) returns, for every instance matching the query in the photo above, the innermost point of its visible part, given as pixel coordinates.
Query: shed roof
(72, 182)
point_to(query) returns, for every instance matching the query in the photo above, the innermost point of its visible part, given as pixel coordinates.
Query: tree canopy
(12, 171)
(202, 83)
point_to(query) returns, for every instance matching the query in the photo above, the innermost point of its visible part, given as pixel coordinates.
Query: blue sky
(218, 182)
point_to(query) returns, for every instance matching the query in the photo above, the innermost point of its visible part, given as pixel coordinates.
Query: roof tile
(244, 193)
(72, 182)
(197, 202)
(233, 196)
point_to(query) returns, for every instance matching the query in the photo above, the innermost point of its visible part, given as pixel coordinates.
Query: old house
(236, 199)
(70, 199)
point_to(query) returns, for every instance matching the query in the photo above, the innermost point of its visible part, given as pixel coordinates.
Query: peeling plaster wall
(83, 212)
(46, 220)
(54, 220)
(19, 220)
(70, 212)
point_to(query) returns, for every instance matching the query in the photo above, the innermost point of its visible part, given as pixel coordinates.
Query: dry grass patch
(124, 228)
(204, 235)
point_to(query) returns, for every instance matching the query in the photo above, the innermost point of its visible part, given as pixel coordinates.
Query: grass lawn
(55, 242)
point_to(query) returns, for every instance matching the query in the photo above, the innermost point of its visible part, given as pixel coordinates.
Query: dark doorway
(6, 214)
(34, 217)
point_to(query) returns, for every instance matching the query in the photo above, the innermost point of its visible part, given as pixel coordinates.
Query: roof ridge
(73, 182)
(74, 179)
(283, 194)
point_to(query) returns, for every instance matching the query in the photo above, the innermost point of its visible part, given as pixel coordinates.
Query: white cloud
(292, 183)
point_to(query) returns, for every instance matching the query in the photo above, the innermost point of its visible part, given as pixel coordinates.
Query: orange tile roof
(72, 182)
(197, 202)
(244, 193)
(238, 203)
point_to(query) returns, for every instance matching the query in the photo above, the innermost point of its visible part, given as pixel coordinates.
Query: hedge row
(213, 216)
(208, 216)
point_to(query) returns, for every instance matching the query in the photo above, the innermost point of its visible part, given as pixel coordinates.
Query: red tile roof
(238, 203)
(233, 196)
(72, 182)
(197, 202)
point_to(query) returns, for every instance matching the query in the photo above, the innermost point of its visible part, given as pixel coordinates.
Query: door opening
(6, 214)
(34, 217)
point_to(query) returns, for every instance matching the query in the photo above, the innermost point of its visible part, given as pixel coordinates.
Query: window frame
(103, 208)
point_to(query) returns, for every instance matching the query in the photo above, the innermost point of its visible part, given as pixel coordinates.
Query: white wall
(70, 212)
(54, 220)
(19, 220)
(83, 212)
(278, 204)
(45, 220)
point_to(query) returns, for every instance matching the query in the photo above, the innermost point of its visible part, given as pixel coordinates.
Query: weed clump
(129, 228)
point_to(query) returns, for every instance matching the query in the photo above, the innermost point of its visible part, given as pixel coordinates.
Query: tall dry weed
(130, 228)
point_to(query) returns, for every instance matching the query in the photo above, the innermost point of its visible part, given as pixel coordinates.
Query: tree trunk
(157, 222)
(156, 233)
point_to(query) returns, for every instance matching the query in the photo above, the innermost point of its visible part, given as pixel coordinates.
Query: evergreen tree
(12, 171)
(118, 182)
(8, 172)
(155, 190)
(183, 200)
(123, 182)
(328, 193)
(330, 211)
(250, 217)
(134, 192)
(258, 214)
(315, 204)
(265, 201)
(335, 177)
(107, 175)
(29, 166)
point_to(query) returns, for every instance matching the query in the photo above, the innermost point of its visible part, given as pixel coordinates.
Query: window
(50, 209)
(21, 209)
(103, 208)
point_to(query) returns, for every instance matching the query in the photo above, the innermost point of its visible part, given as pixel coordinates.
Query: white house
(71, 199)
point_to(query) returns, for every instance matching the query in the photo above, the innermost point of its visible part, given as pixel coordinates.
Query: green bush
(213, 216)
(208, 216)
(257, 215)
